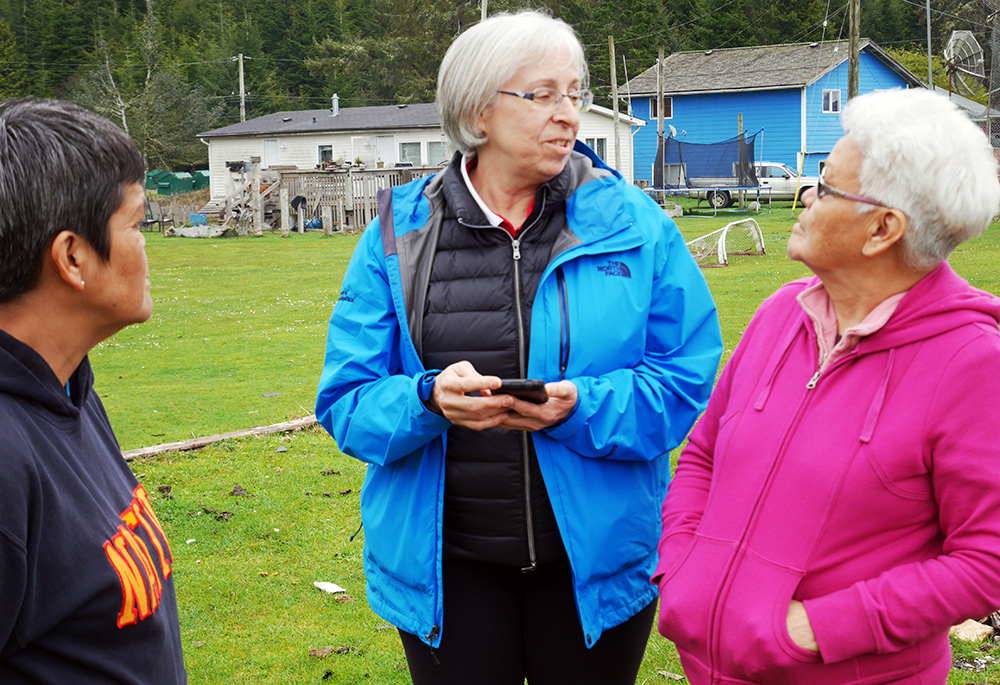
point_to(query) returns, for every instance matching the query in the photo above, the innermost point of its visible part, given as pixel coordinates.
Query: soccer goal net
(741, 237)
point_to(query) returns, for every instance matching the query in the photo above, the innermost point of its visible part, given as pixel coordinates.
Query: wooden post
(243, 95)
(659, 124)
(349, 189)
(854, 15)
(739, 134)
(930, 72)
(327, 213)
(614, 100)
(283, 201)
(300, 219)
(341, 215)
(255, 203)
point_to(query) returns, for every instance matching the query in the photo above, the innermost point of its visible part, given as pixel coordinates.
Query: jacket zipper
(563, 323)
(812, 381)
(738, 550)
(526, 462)
(523, 368)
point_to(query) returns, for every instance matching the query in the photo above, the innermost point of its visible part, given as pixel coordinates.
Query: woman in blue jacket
(508, 539)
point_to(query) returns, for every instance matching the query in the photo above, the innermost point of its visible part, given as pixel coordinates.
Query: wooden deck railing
(348, 197)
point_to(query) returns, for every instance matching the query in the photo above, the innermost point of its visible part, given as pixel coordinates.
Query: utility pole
(660, 142)
(930, 73)
(659, 93)
(854, 47)
(742, 149)
(614, 100)
(243, 97)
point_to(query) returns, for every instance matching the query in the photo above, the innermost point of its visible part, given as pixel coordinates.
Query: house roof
(622, 116)
(387, 117)
(765, 67)
(973, 109)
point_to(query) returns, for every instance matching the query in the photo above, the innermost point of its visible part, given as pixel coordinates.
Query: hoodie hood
(25, 375)
(940, 302)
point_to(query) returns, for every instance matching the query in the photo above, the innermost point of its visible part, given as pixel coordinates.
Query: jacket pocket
(399, 509)
(752, 627)
(688, 594)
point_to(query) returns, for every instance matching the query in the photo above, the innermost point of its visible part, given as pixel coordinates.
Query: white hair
(485, 57)
(922, 155)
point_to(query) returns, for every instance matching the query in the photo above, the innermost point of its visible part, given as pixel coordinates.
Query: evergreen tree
(12, 76)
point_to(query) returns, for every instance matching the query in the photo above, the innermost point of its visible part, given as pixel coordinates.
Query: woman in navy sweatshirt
(85, 571)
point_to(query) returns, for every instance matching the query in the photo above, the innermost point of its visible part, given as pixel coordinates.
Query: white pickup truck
(780, 178)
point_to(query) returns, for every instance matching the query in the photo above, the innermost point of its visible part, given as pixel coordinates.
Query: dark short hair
(62, 167)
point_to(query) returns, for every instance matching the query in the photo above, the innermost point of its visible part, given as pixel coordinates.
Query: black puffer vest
(478, 309)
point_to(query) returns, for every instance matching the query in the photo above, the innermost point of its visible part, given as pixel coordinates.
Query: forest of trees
(165, 70)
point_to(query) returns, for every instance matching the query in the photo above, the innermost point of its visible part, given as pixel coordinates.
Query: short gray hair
(922, 155)
(488, 55)
(61, 168)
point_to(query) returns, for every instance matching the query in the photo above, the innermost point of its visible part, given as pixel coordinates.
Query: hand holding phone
(529, 389)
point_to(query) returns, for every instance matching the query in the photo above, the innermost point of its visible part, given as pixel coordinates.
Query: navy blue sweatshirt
(86, 576)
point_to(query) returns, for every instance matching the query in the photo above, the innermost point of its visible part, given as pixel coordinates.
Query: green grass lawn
(237, 320)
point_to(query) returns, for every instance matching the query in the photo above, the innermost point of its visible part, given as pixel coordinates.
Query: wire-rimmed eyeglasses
(550, 98)
(823, 188)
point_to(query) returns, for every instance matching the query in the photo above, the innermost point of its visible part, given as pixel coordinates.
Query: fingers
(451, 395)
(527, 416)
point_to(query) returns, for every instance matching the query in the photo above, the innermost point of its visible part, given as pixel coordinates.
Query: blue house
(792, 94)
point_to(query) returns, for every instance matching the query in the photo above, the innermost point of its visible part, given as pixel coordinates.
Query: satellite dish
(673, 131)
(963, 57)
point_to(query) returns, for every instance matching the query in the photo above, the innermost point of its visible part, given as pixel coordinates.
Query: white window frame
(444, 151)
(831, 101)
(668, 108)
(319, 153)
(598, 145)
(415, 162)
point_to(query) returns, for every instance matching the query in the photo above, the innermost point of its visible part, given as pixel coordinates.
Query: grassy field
(238, 320)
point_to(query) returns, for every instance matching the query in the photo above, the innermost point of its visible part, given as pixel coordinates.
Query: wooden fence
(347, 198)
(344, 199)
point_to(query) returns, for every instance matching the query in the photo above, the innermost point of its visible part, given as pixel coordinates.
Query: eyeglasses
(550, 98)
(822, 188)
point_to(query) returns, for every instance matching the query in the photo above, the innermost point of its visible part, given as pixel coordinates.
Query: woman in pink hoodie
(837, 507)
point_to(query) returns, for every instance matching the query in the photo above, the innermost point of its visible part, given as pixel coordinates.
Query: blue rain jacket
(625, 307)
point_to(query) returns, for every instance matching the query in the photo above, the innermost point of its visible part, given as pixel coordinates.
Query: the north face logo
(613, 268)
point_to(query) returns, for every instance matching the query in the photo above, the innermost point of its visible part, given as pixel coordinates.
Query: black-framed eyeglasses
(823, 188)
(550, 98)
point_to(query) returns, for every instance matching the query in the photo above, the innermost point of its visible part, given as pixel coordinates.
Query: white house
(391, 135)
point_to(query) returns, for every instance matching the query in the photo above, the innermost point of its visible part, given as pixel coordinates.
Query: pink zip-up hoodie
(871, 493)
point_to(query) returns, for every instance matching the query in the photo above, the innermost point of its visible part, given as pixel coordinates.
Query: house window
(831, 101)
(437, 153)
(668, 108)
(600, 146)
(325, 154)
(409, 153)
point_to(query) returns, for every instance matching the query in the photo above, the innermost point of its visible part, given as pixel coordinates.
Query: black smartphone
(530, 389)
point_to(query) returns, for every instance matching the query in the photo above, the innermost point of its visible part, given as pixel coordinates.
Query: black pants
(502, 626)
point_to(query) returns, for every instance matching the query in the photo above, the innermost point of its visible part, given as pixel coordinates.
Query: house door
(385, 150)
(270, 153)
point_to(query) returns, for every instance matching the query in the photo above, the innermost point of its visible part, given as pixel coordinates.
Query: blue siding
(644, 142)
(824, 129)
(713, 117)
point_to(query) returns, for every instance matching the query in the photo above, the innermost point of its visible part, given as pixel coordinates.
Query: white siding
(302, 151)
(598, 122)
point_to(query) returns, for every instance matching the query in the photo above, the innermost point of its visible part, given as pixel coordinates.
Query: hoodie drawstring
(877, 403)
